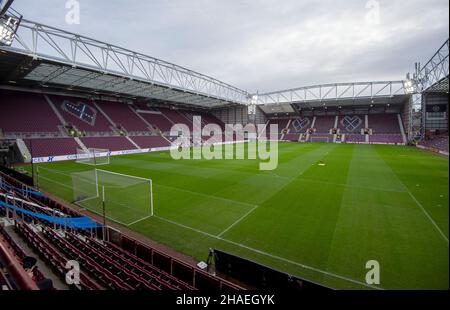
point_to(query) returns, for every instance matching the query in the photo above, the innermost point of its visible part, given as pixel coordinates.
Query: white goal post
(319, 139)
(93, 156)
(122, 198)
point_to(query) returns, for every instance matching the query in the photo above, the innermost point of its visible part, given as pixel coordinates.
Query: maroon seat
(150, 141)
(109, 143)
(52, 147)
(324, 124)
(351, 124)
(439, 142)
(121, 114)
(82, 113)
(384, 124)
(300, 125)
(55, 258)
(386, 139)
(24, 112)
(177, 117)
(158, 120)
(281, 123)
(292, 137)
(355, 138)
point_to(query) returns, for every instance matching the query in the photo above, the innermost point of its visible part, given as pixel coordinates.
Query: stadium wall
(433, 150)
(50, 159)
(436, 111)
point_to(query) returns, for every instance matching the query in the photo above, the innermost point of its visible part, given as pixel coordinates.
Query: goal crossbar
(93, 156)
(123, 198)
(319, 139)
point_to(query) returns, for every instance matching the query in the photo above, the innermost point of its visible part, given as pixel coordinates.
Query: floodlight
(8, 28)
(410, 86)
(9, 22)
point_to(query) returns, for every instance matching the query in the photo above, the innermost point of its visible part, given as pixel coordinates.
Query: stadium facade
(49, 61)
(63, 94)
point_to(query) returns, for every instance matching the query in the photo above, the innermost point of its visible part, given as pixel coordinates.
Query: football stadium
(122, 171)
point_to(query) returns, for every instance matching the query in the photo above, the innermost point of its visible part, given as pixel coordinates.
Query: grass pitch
(319, 222)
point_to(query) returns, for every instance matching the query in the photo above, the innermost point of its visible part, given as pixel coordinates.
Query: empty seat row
(53, 257)
(103, 275)
(162, 276)
(129, 276)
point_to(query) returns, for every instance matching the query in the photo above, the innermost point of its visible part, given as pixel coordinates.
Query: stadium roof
(334, 95)
(433, 76)
(51, 57)
(47, 57)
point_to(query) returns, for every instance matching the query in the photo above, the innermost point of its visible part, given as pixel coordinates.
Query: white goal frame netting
(93, 156)
(122, 198)
(319, 139)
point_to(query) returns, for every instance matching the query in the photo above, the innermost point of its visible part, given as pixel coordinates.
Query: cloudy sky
(265, 45)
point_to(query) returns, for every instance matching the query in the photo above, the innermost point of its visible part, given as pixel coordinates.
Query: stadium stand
(122, 115)
(53, 257)
(324, 124)
(210, 119)
(294, 137)
(176, 117)
(438, 142)
(157, 120)
(104, 264)
(110, 143)
(26, 114)
(386, 139)
(150, 141)
(52, 147)
(297, 128)
(282, 124)
(385, 129)
(355, 138)
(384, 124)
(23, 262)
(322, 128)
(300, 125)
(351, 124)
(83, 114)
(44, 122)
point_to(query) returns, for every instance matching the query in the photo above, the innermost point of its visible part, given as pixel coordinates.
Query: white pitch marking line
(187, 227)
(272, 256)
(142, 219)
(429, 217)
(206, 195)
(238, 221)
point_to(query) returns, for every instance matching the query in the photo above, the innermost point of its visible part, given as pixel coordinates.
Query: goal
(122, 198)
(93, 156)
(319, 139)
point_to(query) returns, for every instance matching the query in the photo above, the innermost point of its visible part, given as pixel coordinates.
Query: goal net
(92, 156)
(122, 198)
(319, 139)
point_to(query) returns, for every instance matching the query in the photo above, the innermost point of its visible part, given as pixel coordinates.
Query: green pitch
(321, 215)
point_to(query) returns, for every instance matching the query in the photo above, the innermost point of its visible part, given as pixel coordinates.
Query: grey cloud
(265, 44)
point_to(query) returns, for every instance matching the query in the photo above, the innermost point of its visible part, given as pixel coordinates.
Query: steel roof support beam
(44, 42)
(339, 91)
(436, 69)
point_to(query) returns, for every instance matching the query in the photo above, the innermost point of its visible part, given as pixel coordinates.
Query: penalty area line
(238, 221)
(239, 203)
(142, 219)
(429, 217)
(271, 255)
